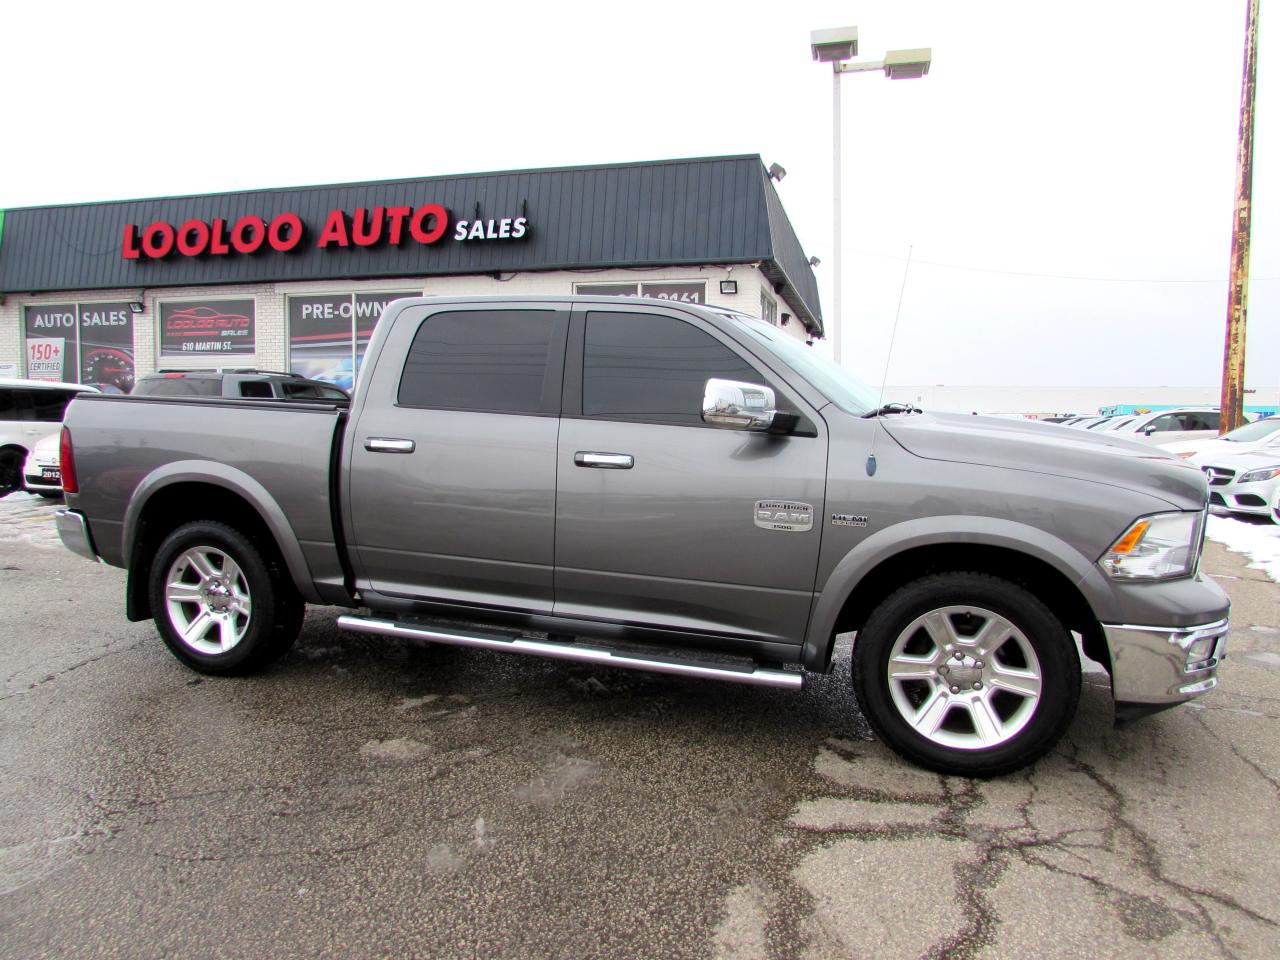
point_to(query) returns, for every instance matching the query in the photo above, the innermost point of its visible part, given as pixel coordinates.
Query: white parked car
(1244, 482)
(1252, 436)
(1167, 426)
(29, 410)
(42, 473)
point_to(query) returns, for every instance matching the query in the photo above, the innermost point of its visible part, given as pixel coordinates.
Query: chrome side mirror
(732, 405)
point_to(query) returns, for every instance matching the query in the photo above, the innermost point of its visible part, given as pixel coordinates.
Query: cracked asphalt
(368, 798)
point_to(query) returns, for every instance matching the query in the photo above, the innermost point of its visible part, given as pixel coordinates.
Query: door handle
(604, 461)
(388, 445)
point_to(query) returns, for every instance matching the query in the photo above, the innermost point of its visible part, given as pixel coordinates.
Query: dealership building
(296, 278)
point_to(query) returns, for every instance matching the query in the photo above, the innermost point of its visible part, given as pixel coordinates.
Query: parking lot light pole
(838, 46)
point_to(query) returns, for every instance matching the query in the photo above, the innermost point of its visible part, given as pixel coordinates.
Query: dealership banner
(51, 341)
(328, 332)
(46, 358)
(190, 328)
(106, 346)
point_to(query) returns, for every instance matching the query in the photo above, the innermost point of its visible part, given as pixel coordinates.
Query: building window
(652, 369)
(681, 291)
(768, 308)
(81, 342)
(329, 332)
(201, 328)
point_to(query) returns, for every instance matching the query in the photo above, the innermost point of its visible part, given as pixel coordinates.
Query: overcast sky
(1064, 176)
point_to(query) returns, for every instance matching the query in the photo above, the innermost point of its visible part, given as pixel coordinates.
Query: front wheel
(966, 674)
(220, 605)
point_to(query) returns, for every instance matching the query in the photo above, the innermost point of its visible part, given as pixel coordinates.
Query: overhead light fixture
(907, 64)
(728, 286)
(815, 262)
(834, 45)
(777, 171)
(137, 306)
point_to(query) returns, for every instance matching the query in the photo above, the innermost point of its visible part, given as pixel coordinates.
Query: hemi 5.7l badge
(784, 515)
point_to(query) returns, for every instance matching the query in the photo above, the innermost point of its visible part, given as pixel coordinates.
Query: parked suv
(29, 410)
(236, 384)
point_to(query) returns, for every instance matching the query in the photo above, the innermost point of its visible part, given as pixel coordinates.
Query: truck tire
(967, 674)
(221, 605)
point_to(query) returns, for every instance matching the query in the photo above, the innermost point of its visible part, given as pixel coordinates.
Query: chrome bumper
(1156, 667)
(73, 530)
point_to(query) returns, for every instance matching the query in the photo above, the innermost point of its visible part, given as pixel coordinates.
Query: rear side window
(1200, 421)
(652, 368)
(9, 404)
(299, 391)
(49, 405)
(178, 387)
(257, 389)
(486, 360)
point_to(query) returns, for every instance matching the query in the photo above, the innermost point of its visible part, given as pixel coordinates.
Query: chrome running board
(747, 673)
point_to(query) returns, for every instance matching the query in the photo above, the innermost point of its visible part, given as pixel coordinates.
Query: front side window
(484, 360)
(652, 368)
(1167, 422)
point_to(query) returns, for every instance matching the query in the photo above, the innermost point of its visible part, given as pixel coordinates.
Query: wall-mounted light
(728, 286)
(777, 171)
(786, 318)
(137, 306)
(815, 262)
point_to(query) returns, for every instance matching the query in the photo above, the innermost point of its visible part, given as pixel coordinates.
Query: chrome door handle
(388, 445)
(604, 461)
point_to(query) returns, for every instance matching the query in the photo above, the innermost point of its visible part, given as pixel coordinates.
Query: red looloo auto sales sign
(366, 227)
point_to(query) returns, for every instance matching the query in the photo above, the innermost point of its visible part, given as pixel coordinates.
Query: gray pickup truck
(664, 487)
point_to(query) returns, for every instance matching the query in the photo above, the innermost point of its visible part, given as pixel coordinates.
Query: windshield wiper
(894, 407)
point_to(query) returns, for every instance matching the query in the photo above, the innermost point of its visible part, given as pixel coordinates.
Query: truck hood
(1050, 449)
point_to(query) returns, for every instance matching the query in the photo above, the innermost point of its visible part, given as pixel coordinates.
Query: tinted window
(178, 387)
(332, 393)
(492, 360)
(8, 404)
(50, 405)
(300, 391)
(652, 368)
(1200, 421)
(258, 389)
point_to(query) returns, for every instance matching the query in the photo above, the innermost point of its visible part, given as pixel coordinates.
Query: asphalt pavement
(374, 798)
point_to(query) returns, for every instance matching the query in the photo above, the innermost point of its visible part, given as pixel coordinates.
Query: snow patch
(1260, 542)
(399, 749)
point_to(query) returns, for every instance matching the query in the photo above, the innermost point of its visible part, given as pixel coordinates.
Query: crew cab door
(452, 456)
(658, 516)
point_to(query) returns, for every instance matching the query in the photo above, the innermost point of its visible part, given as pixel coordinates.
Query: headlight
(1253, 476)
(1159, 547)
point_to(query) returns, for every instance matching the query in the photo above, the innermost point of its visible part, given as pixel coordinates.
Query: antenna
(893, 335)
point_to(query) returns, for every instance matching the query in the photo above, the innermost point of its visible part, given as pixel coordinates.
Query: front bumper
(73, 530)
(1157, 667)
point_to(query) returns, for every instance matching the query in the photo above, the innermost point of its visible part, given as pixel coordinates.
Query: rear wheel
(10, 470)
(966, 674)
(221, 605)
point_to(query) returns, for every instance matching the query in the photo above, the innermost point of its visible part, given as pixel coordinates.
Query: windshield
(1254, 431)
(839, 385)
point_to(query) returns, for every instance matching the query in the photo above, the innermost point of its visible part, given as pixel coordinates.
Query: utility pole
(1238, 287)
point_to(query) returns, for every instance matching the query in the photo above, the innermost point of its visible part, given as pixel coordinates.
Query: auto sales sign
(364, 227)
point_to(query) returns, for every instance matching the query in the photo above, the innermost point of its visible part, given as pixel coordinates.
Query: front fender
(936, 531)
(235, 481)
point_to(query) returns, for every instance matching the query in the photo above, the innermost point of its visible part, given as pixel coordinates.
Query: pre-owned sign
(366, 227)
